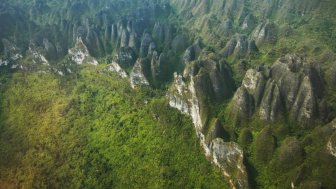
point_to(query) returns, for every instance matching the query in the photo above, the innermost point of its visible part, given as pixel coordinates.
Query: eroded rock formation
(293, 85)
(209, 78)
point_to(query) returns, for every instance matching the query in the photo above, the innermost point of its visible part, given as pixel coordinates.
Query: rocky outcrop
(51, 52)
(216, 72)
(80, 54)
(331, 146)
(266, 32)
(93, 43)
(38, 58)
(124, 39)
(242, 106)
(11, 51)
(193, 52)
(39, 69)
(162, 34)
(229, 157)
(179, 44)
(293, 85)
(125, 57)
(160, 67)
(209, 78)
(226, 27)
(215, 131)
(249, 22)
(331, 75)
(140, 73)
(134, 42)
(147, 39)
(114, 67)
(239, 46)
(89, 33)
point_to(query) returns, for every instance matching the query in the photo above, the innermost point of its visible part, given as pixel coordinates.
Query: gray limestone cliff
(80, 54)
(114, 67)
(140, 72)
(293, 85)
(239, 46)
(193, 52)
(125, 57)
(11, 51)
(209, 78)
(266, 32)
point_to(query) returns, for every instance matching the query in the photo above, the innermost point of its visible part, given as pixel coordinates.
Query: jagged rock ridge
(209, 78)
(293, 84)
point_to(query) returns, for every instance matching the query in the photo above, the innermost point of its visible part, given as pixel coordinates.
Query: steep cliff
(203, 50)
(80, 54)
(209, 79)
(293, 85)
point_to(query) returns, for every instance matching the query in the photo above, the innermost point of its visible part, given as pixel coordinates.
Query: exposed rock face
(117, 69)
(242, 105)
(215, 73)
(38, 58)
(12, 52)
(179, 43)
(93, 43)
(151, 50)
(209, 78)
(80, 54)
(124, 38)
(331, 75)
(293, 84)
(140, 72)
(239, 46)
(193, 52)
(51, 52)
(3, 62)
(147, 39)
(265, 33)
(61, 50)
(216, 131)
(226, 27)
(159, 67)
(271, 106)
(229, 157)
(38, 69)
(162, 34)
(249, 21)
(134, 42)
(114, 32)
(125, 57)
(331, 146)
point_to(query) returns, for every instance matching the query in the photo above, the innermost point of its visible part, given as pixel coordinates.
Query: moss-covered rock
(193, 52)
(245, 138)
(125, 57)
(264, 146)
(179, 44)
(239, 46)
(291, 153)
(266, 32)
